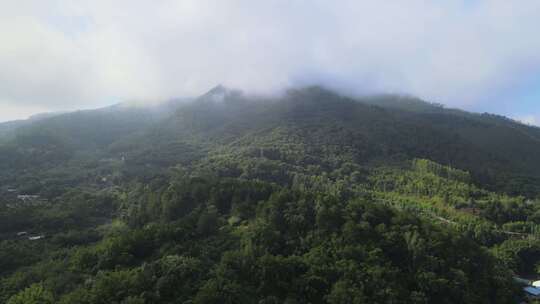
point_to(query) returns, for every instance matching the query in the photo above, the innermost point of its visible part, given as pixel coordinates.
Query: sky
(481, 56)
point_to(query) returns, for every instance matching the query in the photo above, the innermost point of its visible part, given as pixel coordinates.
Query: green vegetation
(310, 198)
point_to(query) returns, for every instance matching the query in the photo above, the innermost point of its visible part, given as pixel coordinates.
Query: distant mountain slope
(52, 141)
(7, 129)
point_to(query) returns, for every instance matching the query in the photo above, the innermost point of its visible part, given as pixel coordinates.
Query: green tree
(35, 294)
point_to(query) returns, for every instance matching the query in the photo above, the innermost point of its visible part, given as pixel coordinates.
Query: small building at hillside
(531, 288)
(532, 292)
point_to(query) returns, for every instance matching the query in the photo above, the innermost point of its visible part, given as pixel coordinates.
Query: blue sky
(64, 55)
(520, 101)
(527, 101)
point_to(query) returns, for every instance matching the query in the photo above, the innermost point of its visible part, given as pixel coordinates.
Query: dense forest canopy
(311, 197)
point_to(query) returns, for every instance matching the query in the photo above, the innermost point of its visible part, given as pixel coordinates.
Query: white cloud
(11, 111)
(64, 55)
(529, 120)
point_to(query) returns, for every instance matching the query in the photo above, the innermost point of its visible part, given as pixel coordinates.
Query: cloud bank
(59, 55)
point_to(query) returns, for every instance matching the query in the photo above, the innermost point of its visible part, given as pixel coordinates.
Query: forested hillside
(311, 197)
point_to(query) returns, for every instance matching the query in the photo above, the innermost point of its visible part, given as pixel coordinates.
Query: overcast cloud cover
(63, 55)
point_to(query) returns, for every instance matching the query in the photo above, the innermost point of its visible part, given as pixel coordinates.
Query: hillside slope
(502, 155)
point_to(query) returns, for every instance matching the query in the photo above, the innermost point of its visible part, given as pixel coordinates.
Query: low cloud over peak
(67, 55)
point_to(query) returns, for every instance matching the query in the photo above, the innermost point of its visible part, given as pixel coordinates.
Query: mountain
(502, 154)
(308, 197)
(7, 129)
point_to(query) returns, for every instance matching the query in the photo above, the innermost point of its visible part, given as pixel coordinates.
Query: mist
(82, 54)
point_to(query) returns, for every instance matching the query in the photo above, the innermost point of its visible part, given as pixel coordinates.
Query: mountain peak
(219, 89)
(220, 93)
